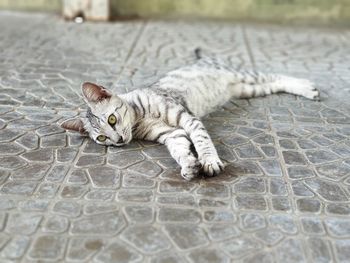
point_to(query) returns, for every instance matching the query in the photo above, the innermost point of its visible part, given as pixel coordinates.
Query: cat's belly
(202, 91)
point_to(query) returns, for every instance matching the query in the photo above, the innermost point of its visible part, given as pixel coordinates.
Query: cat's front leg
(179, 146)
(177, 142)
(205, 148)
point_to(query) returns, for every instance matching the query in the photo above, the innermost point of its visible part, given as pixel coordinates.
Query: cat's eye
(101, 138)
(112, 119)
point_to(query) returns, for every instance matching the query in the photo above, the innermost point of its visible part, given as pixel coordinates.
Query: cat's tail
(250, 84)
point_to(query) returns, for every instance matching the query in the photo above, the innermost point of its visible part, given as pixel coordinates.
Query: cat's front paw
(212, 165)
(190, 170)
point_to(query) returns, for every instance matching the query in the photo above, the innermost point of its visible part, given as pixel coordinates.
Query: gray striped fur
(169, 110)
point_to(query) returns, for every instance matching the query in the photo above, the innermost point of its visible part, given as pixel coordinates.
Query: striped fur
(168, 111)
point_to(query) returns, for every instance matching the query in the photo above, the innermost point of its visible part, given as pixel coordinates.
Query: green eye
(101, 138)
(112, 119)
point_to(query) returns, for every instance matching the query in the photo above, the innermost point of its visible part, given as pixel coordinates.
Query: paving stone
(261, 257)
(299, 189)
(342, 248)
(16, 248)
(90, 160)
(327, 190)
(118, 252)
(100, 195)
(33, 205)
(338, 209)
(41, 155)
(252, 222)
(269, 151)
(48, 247)
(102, 224)
(293, 158)
(178, 215)
(104, 177)
(56, 224)
(290, 250)
(167, 258)
(234, 140)
(248, 151)
(248, 132)
(139, 214)
(296, 172)
(320, 156)
(10, 149)
(67, 208)
(131, 179)
(278, 187)
(208, 256)
(250, 185)
(66, 154)
(19, 188)
(186, 236)
(265, 139)
(11, 162)
(81, 249)
(334, 171)
(319, 250)
(338, 227)
(281, 203)
(285, 223)
(31, 172)
(147, 239)
(219, 216)
(7, 135)
(99, 208)
(183, 200)
(125, 159)
(213, 191)
(176, 186)
(308, 205)
(94, 148)
(135, 195)
(47, 190)
(269, 236)
(55, 140)
(219, 232)
(57, 173)
(72, 191)
(146, 168)
(251, 202)
(313, 226)
(237, 248)
(271, 167)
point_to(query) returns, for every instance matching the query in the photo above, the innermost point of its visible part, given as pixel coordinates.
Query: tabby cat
(169, 110)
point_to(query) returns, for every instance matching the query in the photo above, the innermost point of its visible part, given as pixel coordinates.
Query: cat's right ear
(75, 124)
(94, 93)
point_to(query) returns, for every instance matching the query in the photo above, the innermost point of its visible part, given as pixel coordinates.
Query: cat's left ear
(75, 124)
(94, 93)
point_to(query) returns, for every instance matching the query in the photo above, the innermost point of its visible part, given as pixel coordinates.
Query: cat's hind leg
(254, 84)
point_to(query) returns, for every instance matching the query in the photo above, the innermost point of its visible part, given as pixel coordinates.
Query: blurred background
(289, 11)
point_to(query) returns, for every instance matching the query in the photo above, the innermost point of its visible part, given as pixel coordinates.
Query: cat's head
(108, 118)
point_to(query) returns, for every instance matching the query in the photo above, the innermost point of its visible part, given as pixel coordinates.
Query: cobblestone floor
(285, 194)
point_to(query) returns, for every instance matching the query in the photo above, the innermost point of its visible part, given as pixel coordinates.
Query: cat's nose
(121, 140)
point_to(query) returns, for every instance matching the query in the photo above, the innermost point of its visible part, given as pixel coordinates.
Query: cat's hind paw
(212, 165)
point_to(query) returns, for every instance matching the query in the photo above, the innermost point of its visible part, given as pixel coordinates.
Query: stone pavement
(284, 196)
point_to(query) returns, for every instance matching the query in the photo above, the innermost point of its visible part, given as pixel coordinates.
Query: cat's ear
(75, 124)
(94, 93)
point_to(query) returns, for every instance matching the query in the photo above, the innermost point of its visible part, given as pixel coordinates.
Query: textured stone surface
(285, 192)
